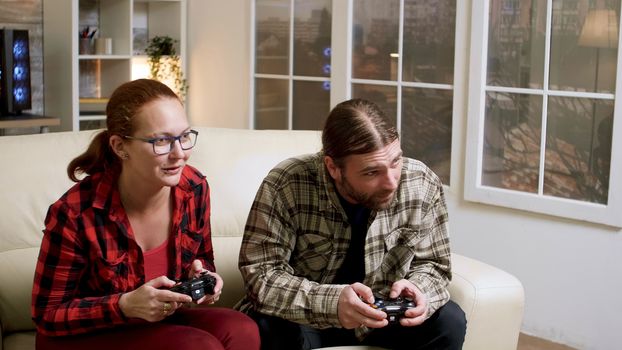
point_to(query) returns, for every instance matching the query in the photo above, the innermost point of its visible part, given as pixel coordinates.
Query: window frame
(341, 74)
(474, 191)
(290, 77)
(460, 40)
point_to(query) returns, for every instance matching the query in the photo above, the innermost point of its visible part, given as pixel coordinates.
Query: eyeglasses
(164, 144)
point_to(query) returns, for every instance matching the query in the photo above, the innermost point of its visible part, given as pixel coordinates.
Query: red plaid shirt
(89, 257)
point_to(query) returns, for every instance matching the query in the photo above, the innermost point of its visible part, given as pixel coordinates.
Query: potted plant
(165, 64)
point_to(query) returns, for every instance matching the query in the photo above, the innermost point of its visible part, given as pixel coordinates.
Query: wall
(27, 14)
(571, 271)
(218, 64)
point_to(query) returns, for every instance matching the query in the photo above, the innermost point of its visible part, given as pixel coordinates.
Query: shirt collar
(331, 201)
(107, 190)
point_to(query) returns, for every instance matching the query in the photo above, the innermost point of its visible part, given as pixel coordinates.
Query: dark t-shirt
(353, 267)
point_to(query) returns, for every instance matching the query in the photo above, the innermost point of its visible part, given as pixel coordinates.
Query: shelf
(78, 85)
(28, 121)
(87, 100)
(92, 108)
(92, 117)
(104, 57)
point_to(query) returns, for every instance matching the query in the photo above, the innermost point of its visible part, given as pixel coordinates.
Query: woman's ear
(118, 146)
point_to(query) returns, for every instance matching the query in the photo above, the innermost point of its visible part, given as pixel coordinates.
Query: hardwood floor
(527, 342)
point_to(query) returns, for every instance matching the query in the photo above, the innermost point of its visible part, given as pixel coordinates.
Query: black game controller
(197, 287)
(394, 308)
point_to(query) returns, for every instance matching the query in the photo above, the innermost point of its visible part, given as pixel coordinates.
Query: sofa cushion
(18, 266)
(19, 341)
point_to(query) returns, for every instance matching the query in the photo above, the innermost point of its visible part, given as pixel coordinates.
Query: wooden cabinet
(80, 75)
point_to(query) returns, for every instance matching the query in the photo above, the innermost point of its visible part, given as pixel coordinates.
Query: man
(329, 233)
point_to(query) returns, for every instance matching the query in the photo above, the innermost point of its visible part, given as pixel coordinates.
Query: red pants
(188, 328)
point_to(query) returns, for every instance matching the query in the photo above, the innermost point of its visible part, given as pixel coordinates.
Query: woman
(117, 241)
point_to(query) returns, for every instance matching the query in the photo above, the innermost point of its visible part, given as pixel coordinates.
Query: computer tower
(15, 89)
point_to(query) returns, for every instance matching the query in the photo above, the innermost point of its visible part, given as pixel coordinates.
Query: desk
(28, 121)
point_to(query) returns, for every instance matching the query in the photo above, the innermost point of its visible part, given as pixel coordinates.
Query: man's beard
(373, 201)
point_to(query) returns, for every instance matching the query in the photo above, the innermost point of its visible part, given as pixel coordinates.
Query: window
(292, 64)
(541, 107)
(403, 60)
(396, 53)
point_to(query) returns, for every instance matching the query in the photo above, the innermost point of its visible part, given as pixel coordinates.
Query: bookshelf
(78, 81)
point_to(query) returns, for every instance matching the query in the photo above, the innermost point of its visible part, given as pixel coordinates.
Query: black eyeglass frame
(172, 140)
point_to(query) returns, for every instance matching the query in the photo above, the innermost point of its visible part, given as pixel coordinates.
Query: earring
(124, 155)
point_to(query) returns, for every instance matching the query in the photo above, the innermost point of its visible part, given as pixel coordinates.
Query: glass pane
(516, 43)
(584, 46)
(512, 130)
(271, 99)
(375, 36)
(311, 104)
(384, 96)
(312, 27)
(272, 36)
(429, 27)
(578, 148)
(426, 128)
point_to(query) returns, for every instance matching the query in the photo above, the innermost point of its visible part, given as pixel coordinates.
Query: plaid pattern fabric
(88, 255)
(297, 236)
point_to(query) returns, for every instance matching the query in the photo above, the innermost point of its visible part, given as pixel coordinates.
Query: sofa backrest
(34, 175)
(235, 161)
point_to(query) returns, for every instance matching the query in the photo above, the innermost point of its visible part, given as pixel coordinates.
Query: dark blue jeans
(445, 329)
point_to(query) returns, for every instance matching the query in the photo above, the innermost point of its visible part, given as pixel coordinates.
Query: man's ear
(333, 169)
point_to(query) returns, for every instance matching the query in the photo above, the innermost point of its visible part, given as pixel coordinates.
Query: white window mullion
(459, 114)
(341, 47)
(545, 95)
(290, 103)
(476, 100)
(400, 59)
(251, 109)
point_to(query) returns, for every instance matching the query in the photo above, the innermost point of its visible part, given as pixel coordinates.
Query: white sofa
(33, 175)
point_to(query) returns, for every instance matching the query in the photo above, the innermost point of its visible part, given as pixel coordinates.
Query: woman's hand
(195, 271)
(151, 303)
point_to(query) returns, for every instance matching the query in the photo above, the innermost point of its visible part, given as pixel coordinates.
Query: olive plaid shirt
(88, 256)
(297, 237)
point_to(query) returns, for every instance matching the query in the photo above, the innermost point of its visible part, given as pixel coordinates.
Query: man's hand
(353, 310)
(151, 303)
(416, 315)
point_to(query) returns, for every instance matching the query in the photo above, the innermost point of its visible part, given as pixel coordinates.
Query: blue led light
(327, 51)
(19, 49)
(20, 94)
(19, 72)
(326, 85)
(326, 69)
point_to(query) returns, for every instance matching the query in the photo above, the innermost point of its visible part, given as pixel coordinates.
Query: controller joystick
(197, 287)
(394, 308)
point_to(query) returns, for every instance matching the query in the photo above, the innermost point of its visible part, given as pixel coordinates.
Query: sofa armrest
(493, 301)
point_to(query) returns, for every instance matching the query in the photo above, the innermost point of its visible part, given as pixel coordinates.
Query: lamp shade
(600, 29)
